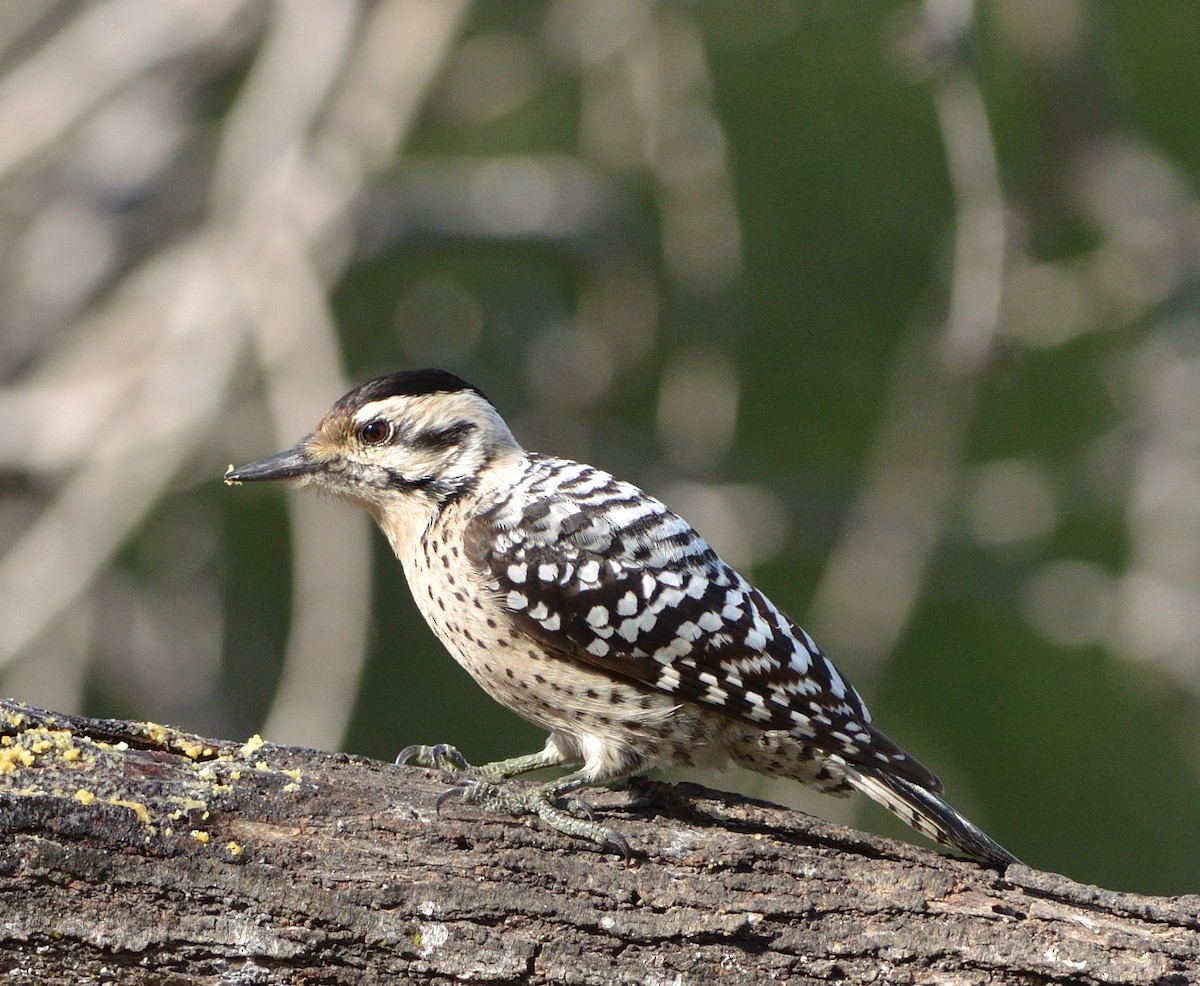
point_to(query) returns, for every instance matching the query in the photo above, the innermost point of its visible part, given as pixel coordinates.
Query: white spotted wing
(600, 572)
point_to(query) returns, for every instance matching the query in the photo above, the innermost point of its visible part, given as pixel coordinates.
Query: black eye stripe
(442, 438)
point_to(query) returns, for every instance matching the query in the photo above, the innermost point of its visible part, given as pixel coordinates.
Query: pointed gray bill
(285, 465)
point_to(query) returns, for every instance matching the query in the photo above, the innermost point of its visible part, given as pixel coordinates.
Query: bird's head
(405, 441)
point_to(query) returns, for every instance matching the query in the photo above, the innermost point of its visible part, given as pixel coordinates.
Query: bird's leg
(551, 802)
(543, 801)
(442, 756)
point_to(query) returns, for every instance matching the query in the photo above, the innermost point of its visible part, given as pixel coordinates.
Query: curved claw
(416, 753)
(583, 809)
(617, 841)
(439, 756)
(458, 790)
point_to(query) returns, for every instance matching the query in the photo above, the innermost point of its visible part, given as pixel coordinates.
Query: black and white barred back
(598, 571)
(595, 568)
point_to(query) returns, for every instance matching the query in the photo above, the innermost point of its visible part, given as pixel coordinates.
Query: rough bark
(134, 853)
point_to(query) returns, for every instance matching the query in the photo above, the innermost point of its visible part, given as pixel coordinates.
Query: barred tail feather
(929, 814)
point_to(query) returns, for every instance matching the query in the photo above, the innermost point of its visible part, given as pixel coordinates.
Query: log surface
(134, 853)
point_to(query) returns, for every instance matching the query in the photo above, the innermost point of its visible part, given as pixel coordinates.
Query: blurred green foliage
(1077, 760)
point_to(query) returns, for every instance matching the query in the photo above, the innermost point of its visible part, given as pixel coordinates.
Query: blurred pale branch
(876, 572)
(102, 48)
(256, 268)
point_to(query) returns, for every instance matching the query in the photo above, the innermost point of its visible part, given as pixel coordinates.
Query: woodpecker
(589, 608)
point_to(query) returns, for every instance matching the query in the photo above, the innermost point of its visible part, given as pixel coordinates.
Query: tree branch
(134, 853)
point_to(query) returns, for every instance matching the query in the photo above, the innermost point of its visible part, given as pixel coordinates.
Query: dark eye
(375, 432)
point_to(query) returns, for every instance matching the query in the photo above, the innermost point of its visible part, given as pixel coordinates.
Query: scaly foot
(538, 801)
(443, 756)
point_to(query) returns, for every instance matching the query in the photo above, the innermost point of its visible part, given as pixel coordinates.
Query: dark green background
(1078, 759)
